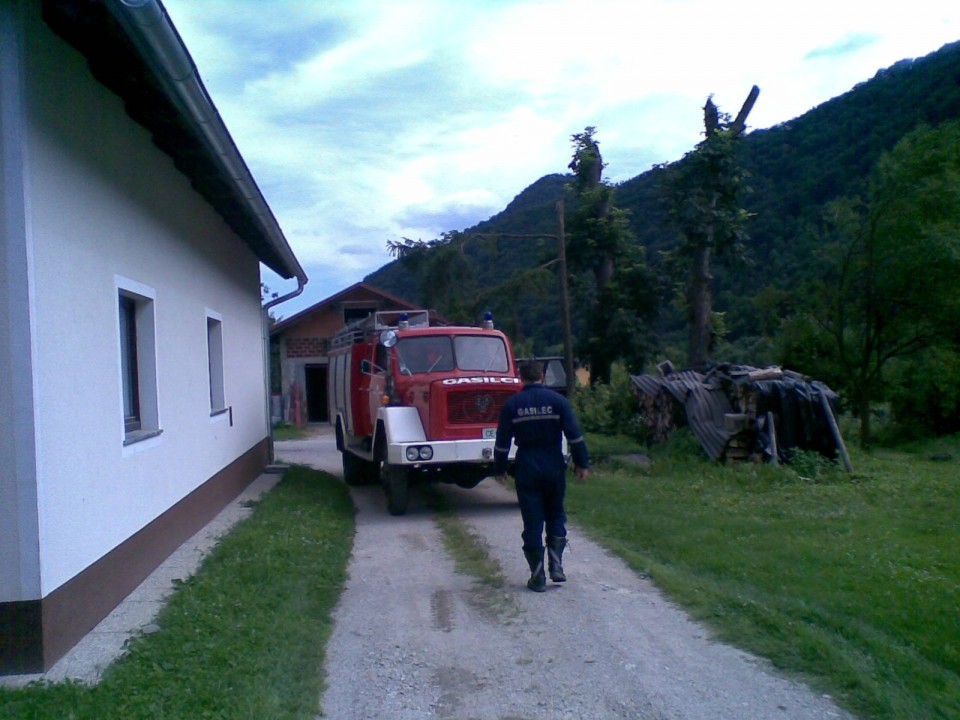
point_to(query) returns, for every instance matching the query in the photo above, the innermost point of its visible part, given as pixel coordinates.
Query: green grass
(471, 556)
(852, 582)
(283, 431)
(470, 552)
(244, 637)
(606, 445)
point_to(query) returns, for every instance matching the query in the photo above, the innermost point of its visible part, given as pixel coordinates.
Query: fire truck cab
(411, 401)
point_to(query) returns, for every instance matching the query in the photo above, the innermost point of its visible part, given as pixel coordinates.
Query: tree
(619, 297)
(704, 194)
(445, 278)
(886, 279)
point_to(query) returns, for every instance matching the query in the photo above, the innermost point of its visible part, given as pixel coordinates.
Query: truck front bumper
(443, 452)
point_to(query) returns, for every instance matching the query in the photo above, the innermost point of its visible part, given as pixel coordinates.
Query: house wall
(19, 548)
(107, 207)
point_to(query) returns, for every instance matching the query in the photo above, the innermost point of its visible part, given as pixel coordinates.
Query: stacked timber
(739, 412)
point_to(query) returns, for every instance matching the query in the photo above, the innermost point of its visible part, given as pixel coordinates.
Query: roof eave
(164, 93)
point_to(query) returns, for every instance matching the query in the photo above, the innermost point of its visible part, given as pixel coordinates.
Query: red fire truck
(413, 401)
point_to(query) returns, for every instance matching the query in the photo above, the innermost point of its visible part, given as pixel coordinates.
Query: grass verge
(470, 552)
(853, 582)
(244, 637)
(471, 555)
(283, 431)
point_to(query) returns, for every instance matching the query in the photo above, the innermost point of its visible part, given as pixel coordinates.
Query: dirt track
(413, 639)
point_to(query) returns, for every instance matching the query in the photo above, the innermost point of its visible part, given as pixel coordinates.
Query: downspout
(265, 324)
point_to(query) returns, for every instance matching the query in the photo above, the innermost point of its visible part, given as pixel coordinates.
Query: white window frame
(144, 298)
(215, 375)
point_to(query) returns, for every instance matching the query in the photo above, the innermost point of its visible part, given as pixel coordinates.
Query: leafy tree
(445, 277)
(886, 286)
(705, 191)
(925, 393)
(616, 289)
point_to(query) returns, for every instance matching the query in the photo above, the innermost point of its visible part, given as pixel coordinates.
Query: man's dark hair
(531, 371)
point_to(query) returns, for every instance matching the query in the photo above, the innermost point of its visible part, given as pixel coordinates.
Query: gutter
(149, 28)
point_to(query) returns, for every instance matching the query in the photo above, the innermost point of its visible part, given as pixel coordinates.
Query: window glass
(553, 375)
(138, 360)
(478, 352)
(215, 363)
(128, 363)
(381, 359)
(432, 353)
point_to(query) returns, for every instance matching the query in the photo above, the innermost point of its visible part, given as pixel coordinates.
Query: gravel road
(413, 639)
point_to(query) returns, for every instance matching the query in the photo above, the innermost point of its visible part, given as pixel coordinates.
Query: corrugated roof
(705, 406)
(793, 398)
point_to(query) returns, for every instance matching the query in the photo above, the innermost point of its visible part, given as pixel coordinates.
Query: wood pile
(740, 412)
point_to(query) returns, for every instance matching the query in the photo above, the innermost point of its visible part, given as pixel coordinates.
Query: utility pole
(565, 299)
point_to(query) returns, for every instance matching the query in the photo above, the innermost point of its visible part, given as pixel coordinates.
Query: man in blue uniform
(535, 419)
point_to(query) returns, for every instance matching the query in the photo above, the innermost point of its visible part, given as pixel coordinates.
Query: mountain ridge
(796, 167)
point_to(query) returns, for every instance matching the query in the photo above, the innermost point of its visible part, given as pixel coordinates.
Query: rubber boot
(555, 548)
(538, 580)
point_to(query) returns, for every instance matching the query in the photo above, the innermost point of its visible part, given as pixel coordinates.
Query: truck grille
(476, 406)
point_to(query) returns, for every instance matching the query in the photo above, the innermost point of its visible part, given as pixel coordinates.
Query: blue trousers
(541, 487)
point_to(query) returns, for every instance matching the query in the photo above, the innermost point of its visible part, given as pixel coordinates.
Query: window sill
(132, 438)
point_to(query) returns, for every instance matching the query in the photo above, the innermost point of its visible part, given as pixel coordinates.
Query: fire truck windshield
(476, 352)
(441, 353)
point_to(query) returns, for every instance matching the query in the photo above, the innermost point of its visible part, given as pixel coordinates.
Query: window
(487, 354)
(138, 361)
(215, 362)
(128, 364)
(429, 353)
(353, 311)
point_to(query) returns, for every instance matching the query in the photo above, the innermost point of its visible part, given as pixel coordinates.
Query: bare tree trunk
(864, 412)
(700, 302)
(603, 274)
(699, 295)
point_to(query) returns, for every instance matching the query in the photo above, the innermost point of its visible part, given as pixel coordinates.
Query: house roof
(340, 297)
(132, 48)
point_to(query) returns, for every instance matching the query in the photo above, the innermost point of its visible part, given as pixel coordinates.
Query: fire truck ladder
(381, 320)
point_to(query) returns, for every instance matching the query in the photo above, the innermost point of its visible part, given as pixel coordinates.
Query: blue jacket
(534, 419)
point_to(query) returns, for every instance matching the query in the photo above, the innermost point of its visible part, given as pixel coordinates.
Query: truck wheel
(354, 469)
(396, 483)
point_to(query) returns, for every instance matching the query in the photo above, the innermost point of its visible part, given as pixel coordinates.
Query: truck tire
(396, 484)
(354, 469)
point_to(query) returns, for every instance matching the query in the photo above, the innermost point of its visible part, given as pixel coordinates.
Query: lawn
(283, 431)
(850, 581)
(243, 638)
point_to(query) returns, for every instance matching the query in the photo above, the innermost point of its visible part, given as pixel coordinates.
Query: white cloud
(368, 120)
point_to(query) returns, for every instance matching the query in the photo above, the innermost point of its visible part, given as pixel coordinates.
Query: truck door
(378, 370)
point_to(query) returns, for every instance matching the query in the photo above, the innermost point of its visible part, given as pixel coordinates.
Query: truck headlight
(419, 452)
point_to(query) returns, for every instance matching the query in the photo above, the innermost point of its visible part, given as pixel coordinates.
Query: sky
(365, 121)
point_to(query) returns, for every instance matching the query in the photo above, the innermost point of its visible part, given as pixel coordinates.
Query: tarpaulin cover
(792, 399)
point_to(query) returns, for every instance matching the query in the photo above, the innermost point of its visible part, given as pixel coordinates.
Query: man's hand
(581, 473)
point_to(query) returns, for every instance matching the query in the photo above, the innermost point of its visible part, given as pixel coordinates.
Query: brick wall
(307, 346)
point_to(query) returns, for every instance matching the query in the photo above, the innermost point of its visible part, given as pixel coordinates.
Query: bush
(925, 399)
(610, 409)
(811, 466)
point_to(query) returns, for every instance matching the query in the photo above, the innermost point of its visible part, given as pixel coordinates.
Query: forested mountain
(796, 168)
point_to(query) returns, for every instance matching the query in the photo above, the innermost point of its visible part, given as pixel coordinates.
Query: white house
(133, 393)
